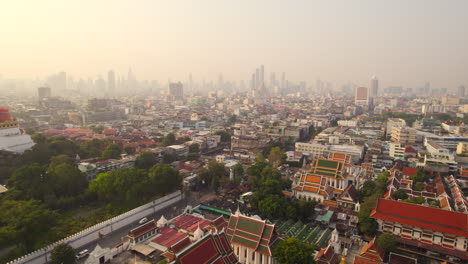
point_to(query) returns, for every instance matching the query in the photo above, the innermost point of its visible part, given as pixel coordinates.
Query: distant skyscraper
(176, 91)
(374, 87)
(257, 78)
(283, 80)
(461, 91)
(253, 82)
(62, 80)
(43, 92)
(262, 75)
(190, 84)
(272, 79)
(220, 82)
(111, 81)
(361, 96)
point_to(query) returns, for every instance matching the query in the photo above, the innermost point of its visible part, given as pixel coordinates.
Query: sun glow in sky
(400, 41)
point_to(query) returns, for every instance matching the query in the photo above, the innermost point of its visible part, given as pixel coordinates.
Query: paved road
(117, 236)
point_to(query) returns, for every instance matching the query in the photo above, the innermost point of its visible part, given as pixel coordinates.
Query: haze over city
(402, 42)
(234, 132)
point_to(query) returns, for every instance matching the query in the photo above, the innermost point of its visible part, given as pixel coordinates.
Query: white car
(82, 254)
(143, 220)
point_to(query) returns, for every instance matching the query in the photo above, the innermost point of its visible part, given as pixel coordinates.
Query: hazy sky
(401, 41)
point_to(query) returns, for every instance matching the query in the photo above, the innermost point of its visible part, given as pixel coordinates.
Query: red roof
(422, 216)
(4, 115)
(410, 171)
(179, 246)
(207, 251)
(410, 149)
(109, 131)
(169, 237)
(143, 229)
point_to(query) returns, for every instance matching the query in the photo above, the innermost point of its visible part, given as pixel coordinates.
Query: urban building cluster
(409, 142)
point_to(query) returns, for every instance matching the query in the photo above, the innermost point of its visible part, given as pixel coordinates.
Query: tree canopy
(387, 242)
(63, 254)
(277, 156)
(400, 194)
(293, 251)
(213, 174)
(169, 139)
(145, 160)
(225, 136)
(112, 151)
(165, 178)
(24, 221)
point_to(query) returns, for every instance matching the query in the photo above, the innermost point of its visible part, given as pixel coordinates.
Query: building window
(253, 255)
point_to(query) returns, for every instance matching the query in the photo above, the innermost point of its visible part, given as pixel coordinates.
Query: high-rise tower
(374, 87)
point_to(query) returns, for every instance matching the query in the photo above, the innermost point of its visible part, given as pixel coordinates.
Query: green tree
(305, 209)
(400, 194)
(165, 179)
(277, 156)
(124, 187)
(382, 183)
(32, 180)
(91, 148)
(112, 151)
(169, 139)
(367, 189)
(38, 138)
(387, 242)
(367, 224)
(273, 206)
(25, 222)
(420, 176)
(64, 146)
(194, 148)
(145, 160)
(130, 150)
(213, 174)
(232, 119)
(419, 186)
(293, 251)
(68, 180)
(238, 171)
(225, 136)
(63, 254)
(192, 156)
(60, 159)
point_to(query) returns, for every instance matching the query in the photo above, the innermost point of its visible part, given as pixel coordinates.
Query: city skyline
(402, 43)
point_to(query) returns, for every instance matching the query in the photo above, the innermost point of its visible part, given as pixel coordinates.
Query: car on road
(143, 220)
(82, 254)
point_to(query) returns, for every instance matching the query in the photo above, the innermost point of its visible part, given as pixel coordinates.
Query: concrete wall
(91, 234)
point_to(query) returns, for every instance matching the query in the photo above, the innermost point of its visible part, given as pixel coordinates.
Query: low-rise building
(404, 135)
(315, 150)
(462, 148)
(180, 151)
(423, 227)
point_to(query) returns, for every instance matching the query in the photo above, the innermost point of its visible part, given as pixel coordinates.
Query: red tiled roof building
(213, 248)
(424, 227)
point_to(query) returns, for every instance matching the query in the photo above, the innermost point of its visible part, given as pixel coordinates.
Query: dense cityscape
(263, 169)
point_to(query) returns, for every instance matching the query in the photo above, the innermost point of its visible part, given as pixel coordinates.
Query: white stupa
(161, 222)
(198, 233)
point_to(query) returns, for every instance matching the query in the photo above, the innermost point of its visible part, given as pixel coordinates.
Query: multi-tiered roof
(252, 233)
(213, 248)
